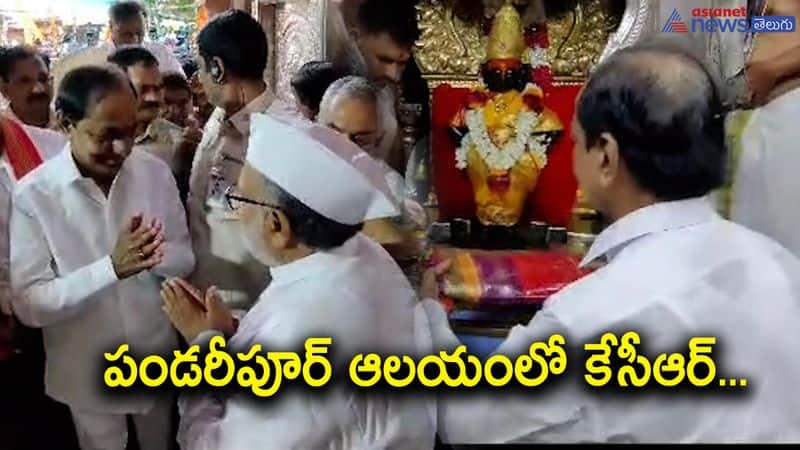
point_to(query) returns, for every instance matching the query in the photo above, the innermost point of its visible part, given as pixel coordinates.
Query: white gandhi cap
(321, 168)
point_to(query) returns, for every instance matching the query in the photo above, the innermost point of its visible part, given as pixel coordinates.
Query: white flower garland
(507, 157)
(536, 57)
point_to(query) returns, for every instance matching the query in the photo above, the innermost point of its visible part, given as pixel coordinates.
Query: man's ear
(4, 88)
(278, 229)
(608, 158)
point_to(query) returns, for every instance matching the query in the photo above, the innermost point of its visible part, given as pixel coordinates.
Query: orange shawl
(21, 152)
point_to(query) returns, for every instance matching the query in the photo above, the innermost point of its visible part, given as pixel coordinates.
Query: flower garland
(507, 157)
(536, 57)
(537, 42)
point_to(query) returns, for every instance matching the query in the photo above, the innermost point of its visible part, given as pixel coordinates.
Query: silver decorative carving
(299, 35)
(638, 21)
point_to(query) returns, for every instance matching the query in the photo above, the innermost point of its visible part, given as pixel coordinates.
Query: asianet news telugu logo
(730, 20)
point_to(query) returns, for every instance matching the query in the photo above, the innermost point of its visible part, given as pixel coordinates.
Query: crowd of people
(159, 206)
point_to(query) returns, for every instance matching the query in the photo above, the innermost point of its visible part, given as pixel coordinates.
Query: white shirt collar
(660, 217)
(68, 170)
(314, 264)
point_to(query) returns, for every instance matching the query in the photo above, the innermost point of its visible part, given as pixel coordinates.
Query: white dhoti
(102, 431)
(766, 178)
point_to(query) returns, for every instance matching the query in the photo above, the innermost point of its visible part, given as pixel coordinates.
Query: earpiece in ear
(216, 72)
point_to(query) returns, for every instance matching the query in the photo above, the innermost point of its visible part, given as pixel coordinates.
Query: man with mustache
(301, 200)
(155, 135)
(25, 82)
(93, 232)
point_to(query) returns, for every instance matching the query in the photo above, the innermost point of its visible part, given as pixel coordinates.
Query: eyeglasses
(235, 201)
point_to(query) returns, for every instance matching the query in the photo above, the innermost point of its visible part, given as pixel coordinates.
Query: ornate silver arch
(638, 22)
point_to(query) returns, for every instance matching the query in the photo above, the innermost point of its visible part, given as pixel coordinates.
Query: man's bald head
(663, 109)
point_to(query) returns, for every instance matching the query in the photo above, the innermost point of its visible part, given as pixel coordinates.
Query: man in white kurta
(70, 278)
(675, 270)
(352, 292)
(62, 231)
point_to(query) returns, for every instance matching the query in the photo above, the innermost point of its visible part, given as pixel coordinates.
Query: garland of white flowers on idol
(507, 157)
(536, 57)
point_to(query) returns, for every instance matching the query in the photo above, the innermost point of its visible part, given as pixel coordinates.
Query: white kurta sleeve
(200, 416)
(43, 298)
(178, 254)
(200, 412)
(442, 335)
(500, 416)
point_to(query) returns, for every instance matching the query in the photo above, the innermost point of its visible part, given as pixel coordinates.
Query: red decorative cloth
(536, 36)
(554, 197)
(21, 153)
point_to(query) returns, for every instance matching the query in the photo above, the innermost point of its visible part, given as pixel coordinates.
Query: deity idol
(504, 130)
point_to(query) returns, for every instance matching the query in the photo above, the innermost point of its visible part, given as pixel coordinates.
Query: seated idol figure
(504, 130)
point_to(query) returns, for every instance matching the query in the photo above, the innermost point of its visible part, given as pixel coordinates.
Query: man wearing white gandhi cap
(302, 199)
